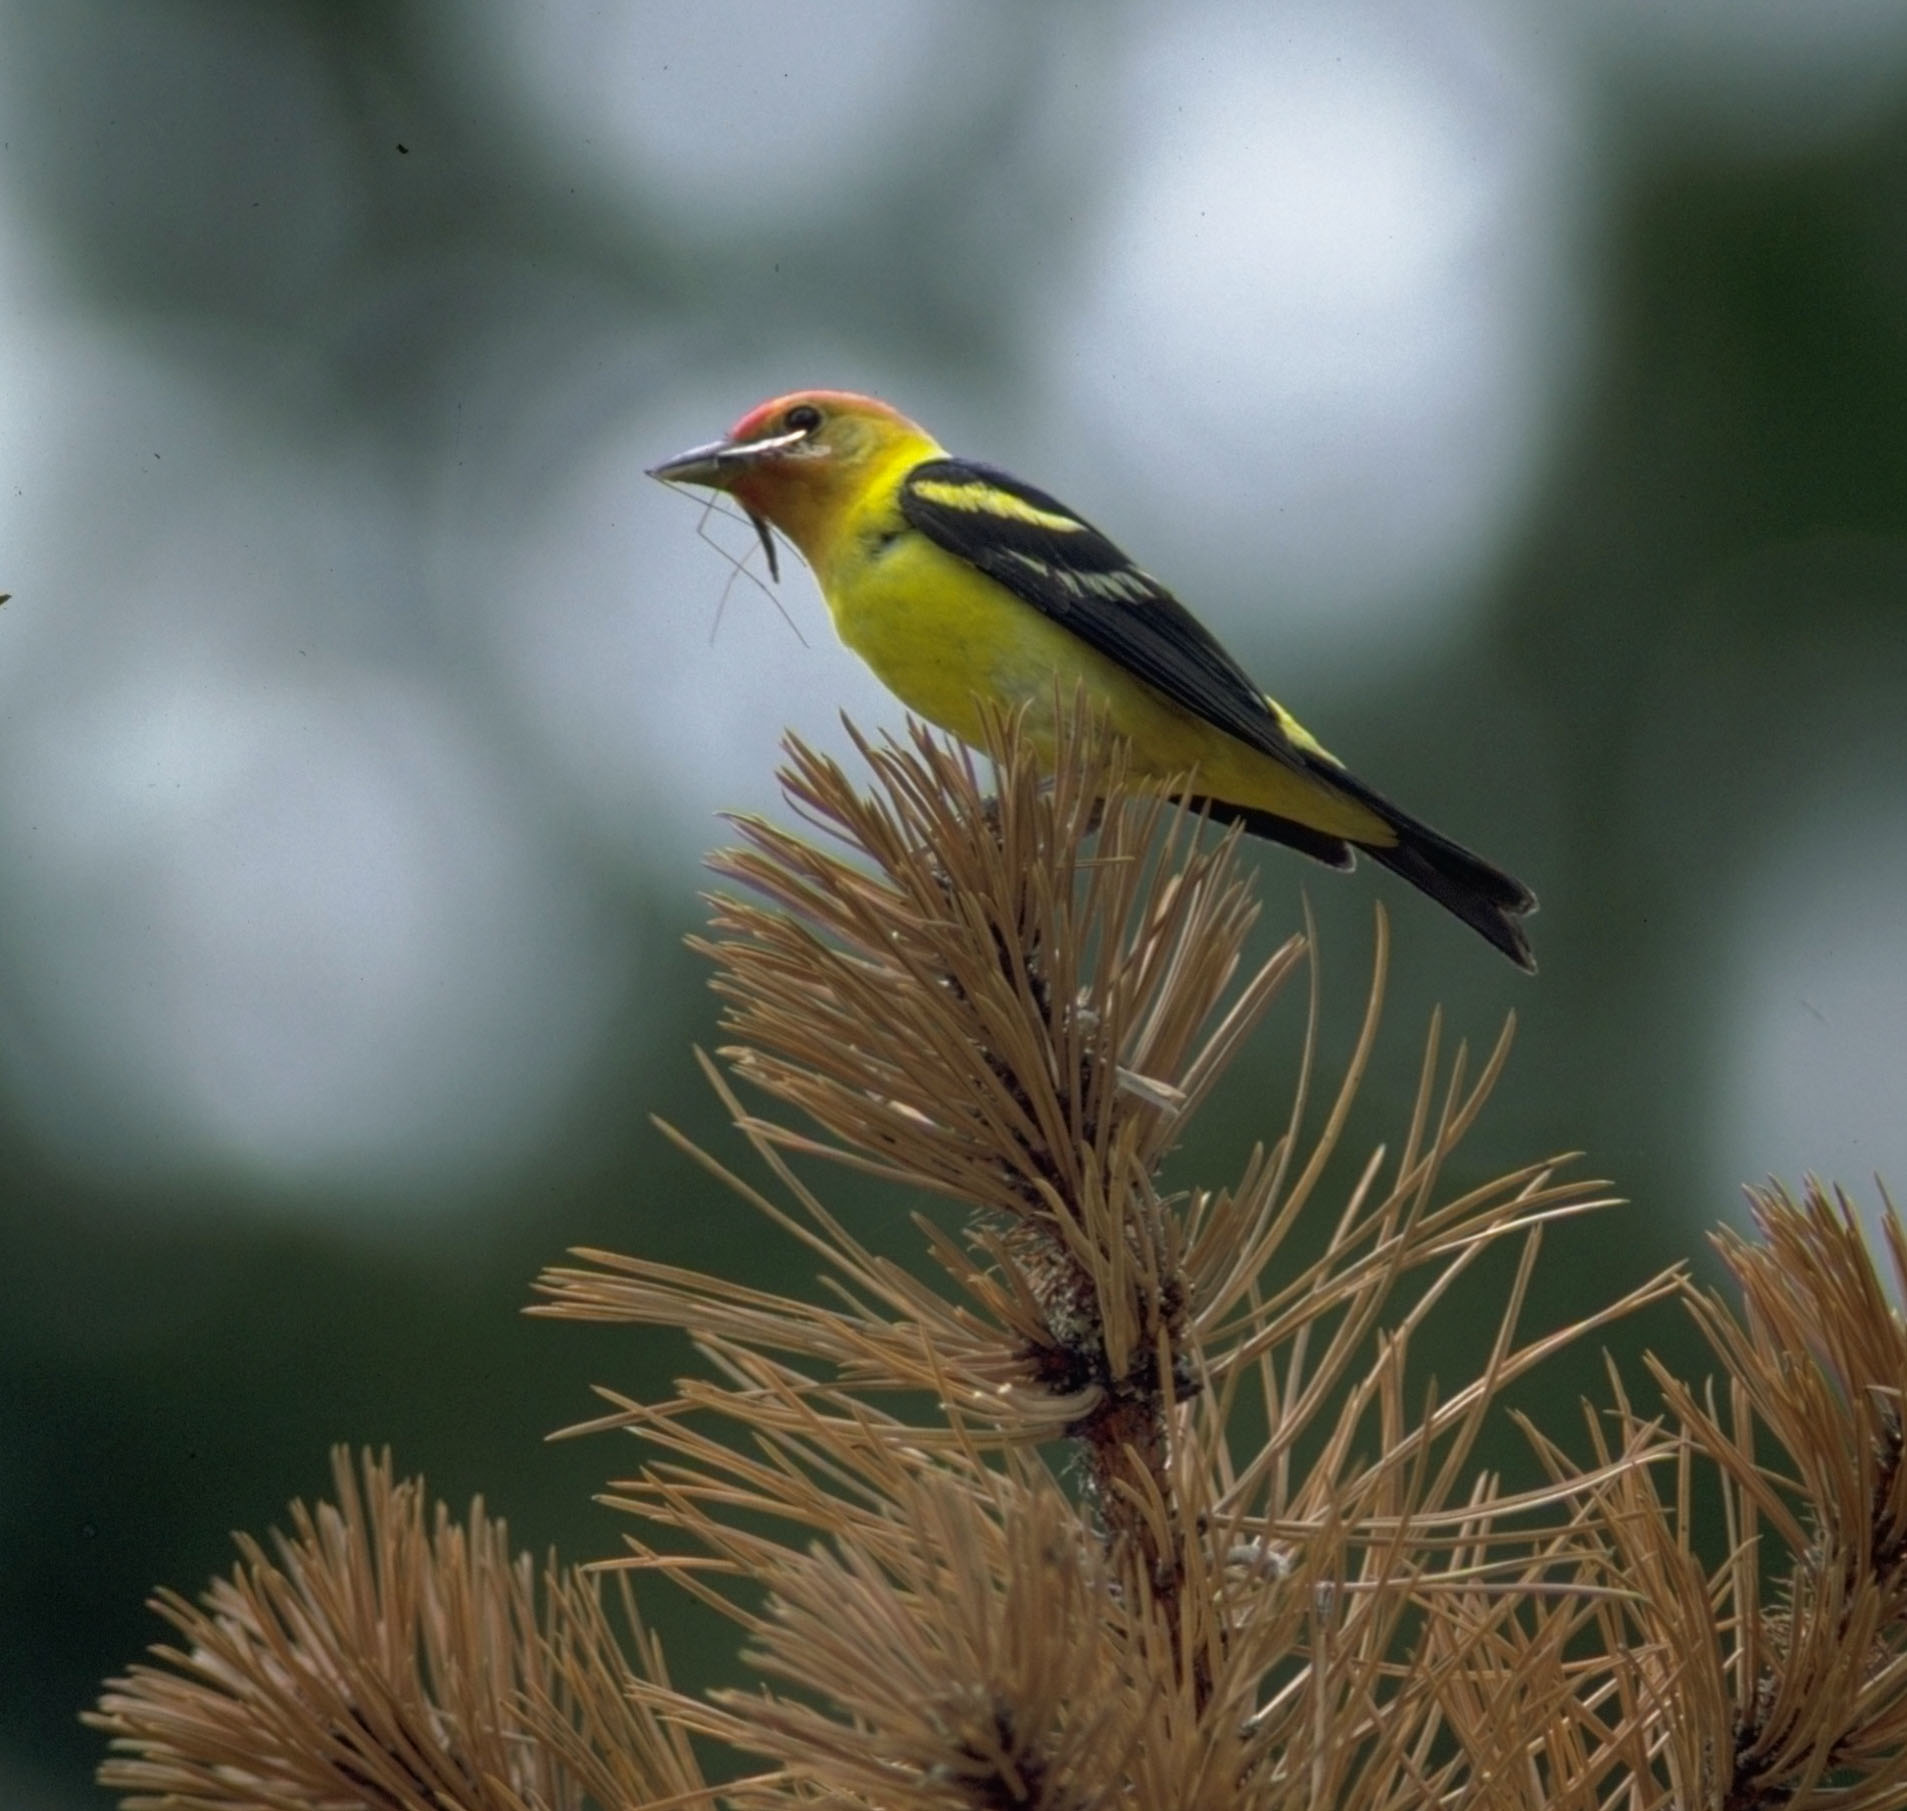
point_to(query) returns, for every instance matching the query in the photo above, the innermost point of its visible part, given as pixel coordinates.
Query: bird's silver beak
(717, 464)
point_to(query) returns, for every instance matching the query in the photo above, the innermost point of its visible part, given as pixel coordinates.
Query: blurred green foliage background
(1521, 390)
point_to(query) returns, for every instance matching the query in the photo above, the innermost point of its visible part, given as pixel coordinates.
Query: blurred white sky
(1326, 314)
(270, 902)
(730, 116)
(275, 897)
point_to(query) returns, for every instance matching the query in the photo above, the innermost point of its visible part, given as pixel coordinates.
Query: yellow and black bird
(957, 583)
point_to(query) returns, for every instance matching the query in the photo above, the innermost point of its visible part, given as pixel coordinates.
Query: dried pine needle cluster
(1116, 1499)
(384, 1657)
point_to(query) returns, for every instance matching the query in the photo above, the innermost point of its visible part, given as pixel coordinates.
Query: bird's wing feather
(1067, 570)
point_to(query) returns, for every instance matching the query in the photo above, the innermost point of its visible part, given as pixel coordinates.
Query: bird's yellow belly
(943, 637)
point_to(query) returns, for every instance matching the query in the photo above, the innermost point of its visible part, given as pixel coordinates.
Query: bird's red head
(803, 461)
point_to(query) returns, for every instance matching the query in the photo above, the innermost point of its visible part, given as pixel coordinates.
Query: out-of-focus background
(1519, 389)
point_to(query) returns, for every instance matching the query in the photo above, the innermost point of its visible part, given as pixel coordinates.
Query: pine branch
(1115, 1499)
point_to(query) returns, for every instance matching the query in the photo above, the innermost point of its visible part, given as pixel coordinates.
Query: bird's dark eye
(803, 418)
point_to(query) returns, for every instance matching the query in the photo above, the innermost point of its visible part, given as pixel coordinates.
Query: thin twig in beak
(767, 544)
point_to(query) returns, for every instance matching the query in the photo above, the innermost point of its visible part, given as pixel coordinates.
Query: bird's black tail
(1489, 901)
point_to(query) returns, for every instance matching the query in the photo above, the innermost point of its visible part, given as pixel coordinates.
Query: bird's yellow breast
(942, 636)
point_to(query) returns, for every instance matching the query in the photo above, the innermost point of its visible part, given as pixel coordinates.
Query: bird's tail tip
(1491, 902)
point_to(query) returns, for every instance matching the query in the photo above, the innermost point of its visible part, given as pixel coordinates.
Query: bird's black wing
(1067, 570)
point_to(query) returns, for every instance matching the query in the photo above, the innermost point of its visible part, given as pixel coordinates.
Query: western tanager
(958, 584)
